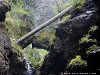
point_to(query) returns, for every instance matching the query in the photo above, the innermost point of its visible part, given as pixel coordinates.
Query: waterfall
(29, 68)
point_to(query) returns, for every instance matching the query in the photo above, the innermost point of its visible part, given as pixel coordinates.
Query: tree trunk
(46, 23)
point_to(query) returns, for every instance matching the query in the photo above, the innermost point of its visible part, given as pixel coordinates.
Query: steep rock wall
(10, 64)
(68, 43)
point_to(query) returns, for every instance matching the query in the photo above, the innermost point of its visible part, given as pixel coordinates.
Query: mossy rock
(77, 64)
(77, 61)
(92, 48)
(86, 39)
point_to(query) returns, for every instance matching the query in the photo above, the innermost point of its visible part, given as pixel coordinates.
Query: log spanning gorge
(74, 49)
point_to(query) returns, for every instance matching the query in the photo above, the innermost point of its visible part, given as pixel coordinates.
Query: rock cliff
(10, 62)
(76, 46)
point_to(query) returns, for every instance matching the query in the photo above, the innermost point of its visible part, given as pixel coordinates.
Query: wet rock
(3, 10)
(66, 45)
(94, 61)
(77, 65)
(4, 61)
(9, 59)
(54, 65)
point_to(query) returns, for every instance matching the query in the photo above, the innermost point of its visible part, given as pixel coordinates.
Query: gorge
(74, 47)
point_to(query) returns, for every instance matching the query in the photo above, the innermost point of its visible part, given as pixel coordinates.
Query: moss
(92, 48)
(89, 39)
(38, 72)
(19, 59)
(46, 34)
(52, 38)
(86, 38)
(92, 29)
(78, 5)
(77, 61)
(66, 17)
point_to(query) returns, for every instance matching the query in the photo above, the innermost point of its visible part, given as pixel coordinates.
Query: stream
(29, 68)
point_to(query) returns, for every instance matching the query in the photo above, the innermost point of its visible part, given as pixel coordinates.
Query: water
(30, 70)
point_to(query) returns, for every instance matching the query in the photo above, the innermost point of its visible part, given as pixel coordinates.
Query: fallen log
(45, 24)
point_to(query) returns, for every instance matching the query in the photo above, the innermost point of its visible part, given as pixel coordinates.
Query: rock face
(9, 61)
(93, 61)
(3, 10)
(4, 66)
(10, 64)
(77, 36)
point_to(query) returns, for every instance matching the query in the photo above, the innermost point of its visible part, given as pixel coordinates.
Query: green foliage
(15, 46)
(15, 20)
(32, 55)
(17, 9)
(42, 52)
(46, 34)
(77, 3)
(35, 56)
(5, 1)
(21, 11)
(78, 61)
